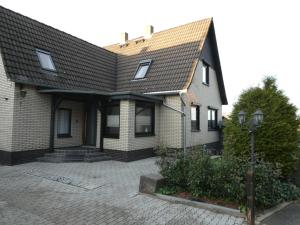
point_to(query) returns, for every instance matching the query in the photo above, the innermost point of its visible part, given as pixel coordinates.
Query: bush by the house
(224, 179)
(277, 138)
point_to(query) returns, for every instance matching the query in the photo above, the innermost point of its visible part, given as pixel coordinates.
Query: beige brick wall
(31, 123)
(205, 96)
(171, 123)
(76, 125)
(6, 109)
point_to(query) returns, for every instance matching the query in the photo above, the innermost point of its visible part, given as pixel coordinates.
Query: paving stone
(90, 193)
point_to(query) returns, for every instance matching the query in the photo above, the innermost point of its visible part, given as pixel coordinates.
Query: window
(212, 119)
(64, 123)
(195, 117)
(144, 119)
(112, 128)
(142, 69)
(205, 73)
(45, 60)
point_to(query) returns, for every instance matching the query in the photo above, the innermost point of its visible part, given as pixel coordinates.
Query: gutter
(173, 92)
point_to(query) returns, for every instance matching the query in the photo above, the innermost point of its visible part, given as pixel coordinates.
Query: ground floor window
(212, 119)
(144, 119)
(112, 128)
(64, 123)
(195, 117)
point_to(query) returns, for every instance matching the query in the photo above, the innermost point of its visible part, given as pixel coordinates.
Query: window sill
(196, 130)
(144, 135)
(111, 136)
(213, 129)
(64, 136)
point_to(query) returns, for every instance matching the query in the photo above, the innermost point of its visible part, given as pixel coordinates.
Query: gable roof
(84, 66)
(174, 54)
(79, 64)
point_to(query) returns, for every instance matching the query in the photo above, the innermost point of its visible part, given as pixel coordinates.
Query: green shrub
(224, 178)
(277, 138)
(175, 171)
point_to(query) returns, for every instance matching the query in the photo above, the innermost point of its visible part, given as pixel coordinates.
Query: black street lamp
(253, 124)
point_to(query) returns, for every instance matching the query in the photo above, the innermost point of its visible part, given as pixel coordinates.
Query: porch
(94, 126)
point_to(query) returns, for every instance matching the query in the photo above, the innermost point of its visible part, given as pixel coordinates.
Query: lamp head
(242, 117)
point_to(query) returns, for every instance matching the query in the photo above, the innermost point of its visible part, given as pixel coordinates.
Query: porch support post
(55, 102)
(102, 109)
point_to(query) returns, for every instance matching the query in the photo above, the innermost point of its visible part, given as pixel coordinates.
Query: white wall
(206, 96)
(6, 109)
(31, 124)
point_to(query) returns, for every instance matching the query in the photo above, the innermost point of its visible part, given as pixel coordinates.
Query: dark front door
(91, 123)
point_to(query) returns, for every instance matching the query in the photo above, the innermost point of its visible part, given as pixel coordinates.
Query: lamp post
(253, 124)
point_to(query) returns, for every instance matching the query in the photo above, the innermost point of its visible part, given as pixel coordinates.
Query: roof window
(45, 60)
(142, 69)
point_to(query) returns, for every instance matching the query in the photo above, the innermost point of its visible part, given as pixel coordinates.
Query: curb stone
(211, 207)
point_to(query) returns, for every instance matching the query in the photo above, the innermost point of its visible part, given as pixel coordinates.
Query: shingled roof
(81, 65)
(173, 51)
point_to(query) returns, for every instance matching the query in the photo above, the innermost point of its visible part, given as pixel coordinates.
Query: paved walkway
(90, 193)
(287, 216)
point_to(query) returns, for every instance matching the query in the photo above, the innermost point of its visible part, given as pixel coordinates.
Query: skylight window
(45, 60)
(142, 69)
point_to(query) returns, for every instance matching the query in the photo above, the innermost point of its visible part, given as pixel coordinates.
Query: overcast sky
(255, 38)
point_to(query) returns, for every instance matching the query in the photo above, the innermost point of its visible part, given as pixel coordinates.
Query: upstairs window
(142, 69)
(45, 60)
(144, 119)
(205, 73)
(195, 117)
(112, 128)
(212, 119)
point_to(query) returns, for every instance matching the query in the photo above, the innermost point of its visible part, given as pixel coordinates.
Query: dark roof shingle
(173, 51)
(79, 64)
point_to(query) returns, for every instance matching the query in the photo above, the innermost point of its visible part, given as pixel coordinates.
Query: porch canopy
(97, 98)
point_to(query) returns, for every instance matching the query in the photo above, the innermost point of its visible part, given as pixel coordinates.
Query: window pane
(204, 72)
(63, 126)
(212, 119)
(112, 120)
(45, 61)
(144, 119)
(141, 72)
(193, 113)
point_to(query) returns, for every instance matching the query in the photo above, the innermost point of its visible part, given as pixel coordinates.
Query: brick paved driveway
(90, 193)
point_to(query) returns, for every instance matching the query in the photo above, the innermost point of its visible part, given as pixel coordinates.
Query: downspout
(184, 123)
(183, 113)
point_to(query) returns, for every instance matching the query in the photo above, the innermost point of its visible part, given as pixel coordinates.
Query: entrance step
(75, 155)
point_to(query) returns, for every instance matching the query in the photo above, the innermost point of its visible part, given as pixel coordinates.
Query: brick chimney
(149, 30)
(123, 38)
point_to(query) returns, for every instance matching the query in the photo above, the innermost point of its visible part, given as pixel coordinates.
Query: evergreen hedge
(276, 140)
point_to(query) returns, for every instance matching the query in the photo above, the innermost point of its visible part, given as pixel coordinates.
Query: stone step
(74, 156)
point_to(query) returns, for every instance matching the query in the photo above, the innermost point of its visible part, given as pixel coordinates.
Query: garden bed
(222, 181)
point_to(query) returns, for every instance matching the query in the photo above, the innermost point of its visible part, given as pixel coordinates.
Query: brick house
(58, 91)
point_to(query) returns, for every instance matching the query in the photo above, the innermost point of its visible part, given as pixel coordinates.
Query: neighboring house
(59, 91)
